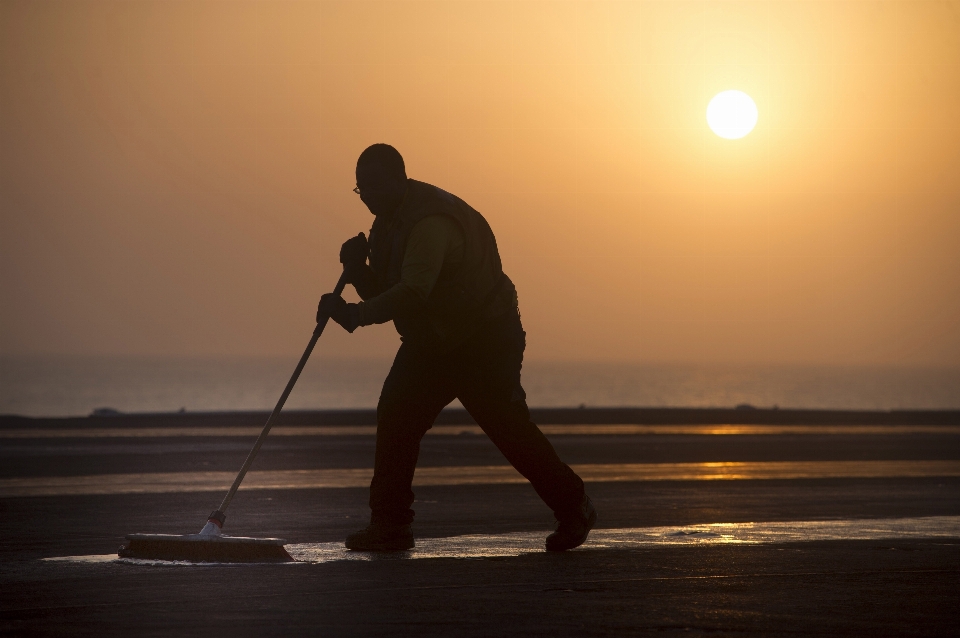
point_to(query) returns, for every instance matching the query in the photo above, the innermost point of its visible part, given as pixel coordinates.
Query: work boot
(379, 537)
(573, 530)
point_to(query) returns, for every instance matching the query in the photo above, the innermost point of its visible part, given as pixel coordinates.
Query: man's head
(381, 178)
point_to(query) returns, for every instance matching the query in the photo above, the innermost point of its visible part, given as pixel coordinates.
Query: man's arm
(364, 280)
(435, 240)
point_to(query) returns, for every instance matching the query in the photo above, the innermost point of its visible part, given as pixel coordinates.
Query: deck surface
(708, 530)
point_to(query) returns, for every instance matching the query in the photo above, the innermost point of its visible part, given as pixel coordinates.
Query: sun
(731, 114)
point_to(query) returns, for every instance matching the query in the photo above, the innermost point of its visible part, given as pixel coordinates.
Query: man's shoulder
(426, 200)
(435, 223)
(424, 195)
(436, 229)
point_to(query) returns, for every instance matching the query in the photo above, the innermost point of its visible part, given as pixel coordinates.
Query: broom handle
(283, 399)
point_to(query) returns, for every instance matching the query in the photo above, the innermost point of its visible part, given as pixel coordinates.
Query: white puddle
(498, 545)
(93, 558)
(476, 546)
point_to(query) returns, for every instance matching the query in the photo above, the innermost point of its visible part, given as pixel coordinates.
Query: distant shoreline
(742, 415)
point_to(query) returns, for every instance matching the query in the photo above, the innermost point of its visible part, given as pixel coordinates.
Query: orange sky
(175, 177)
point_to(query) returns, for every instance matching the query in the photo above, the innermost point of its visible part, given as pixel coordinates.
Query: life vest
(462, 297)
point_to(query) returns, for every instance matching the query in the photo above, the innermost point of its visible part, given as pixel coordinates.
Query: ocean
(75, 386)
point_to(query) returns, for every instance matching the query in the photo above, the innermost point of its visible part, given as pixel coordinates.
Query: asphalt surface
(864, 556)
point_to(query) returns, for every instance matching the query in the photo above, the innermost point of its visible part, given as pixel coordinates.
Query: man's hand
(333, 306)
(353, 252)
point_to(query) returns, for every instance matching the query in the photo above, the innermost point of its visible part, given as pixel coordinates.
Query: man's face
(382, 193)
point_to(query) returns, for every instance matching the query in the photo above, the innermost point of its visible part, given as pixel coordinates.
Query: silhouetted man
(435, 272)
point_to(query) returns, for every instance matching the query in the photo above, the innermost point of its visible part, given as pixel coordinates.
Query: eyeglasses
(367, 190)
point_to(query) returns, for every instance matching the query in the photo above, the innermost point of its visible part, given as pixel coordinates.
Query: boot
(379, 537)
(573, 530)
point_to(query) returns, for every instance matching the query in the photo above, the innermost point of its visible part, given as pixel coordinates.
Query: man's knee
(399, 420)
(387, 411)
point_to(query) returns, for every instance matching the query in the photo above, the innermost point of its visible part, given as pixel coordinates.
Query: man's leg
(488, 385)
(413, 395)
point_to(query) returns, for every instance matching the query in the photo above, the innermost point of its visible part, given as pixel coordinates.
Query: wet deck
(719, 530)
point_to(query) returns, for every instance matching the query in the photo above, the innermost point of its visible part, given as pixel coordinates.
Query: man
(435, 272)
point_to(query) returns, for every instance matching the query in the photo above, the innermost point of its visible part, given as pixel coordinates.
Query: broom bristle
(196, 548)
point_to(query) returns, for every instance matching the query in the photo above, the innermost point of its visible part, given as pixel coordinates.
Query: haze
(176, 177)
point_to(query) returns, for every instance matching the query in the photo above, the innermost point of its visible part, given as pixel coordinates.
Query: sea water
(72, 386)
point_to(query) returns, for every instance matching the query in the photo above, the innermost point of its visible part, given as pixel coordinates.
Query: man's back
(437, 264)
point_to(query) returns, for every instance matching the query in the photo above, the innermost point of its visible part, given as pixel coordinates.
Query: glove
(353, 252)
(333, 306)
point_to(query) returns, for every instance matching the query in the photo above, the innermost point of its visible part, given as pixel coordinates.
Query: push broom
(210, 545)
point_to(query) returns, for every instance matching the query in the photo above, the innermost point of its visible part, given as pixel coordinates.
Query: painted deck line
(506, 545)
(178, 482)
(457, 430)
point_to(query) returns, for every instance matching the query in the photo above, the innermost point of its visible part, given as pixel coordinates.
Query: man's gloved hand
(353, 252)
(333, 306)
